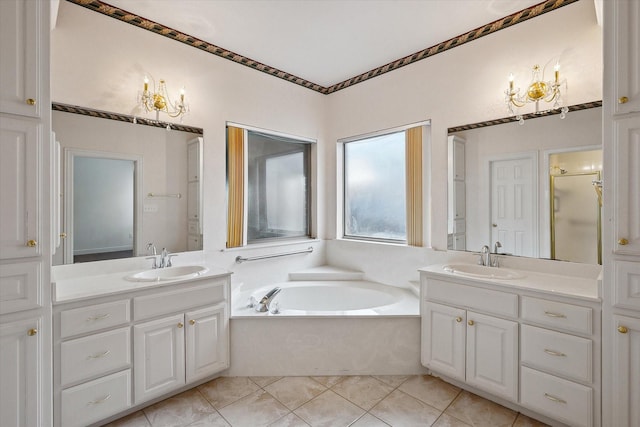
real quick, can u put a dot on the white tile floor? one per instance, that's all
(358, 401)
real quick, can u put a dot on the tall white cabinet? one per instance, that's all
(621, 235)
(25, 247)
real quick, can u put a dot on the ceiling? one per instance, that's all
(323, 41)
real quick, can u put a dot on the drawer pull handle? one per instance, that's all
(552, 314)
(99, 401)
(555, 399)
(554, 353)
(100, 317)
(98, 355)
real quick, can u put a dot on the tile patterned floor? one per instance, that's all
(357, 401)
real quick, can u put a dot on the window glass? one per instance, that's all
(375, 188)
(278, 187)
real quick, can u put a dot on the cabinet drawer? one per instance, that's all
(94, 317)
(93, 401)
(487, 300)
(556, 352)
(568, 317)
(148, 306)
(94, 355)
(560, 399)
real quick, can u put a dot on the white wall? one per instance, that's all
(462, 85)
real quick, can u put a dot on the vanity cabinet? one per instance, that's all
(515, 344)
(623, 17)
(113, 353)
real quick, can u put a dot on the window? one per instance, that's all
(383, 187)
(277, 195)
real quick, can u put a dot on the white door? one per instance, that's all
(514, 205)
(443, 340)
(492, 355)
(19, 189)
(627, 187)
(626, 374)
(20, 393)
(158, 357)
(19, 66)
(207, 349)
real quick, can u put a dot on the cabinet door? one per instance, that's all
(443, 340)
(193, 201)
(627, 186)
(158, 357)
(492, 352)
(20, 398)
(193, 161)
(626, 374)
(626, 55)
(207, 342)
(19, 189)
(20, 28)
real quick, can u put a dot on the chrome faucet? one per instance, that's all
(159, 261)
(165, 258)
(266, 300)
(151, 249)
(496, 246)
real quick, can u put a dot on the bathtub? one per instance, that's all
(330, 298)
(336, 327)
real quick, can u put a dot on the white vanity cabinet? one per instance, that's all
(477, 348)
(527, 349)
(626, 362)
(115, 352)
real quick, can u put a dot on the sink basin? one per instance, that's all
(483, 272)
(170, 273)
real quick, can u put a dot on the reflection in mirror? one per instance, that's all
(126, 185)
(505, 190)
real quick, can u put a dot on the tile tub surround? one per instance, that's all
(332, 401)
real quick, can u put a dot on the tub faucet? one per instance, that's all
(266, 300)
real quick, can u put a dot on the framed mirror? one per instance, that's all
(530, 190)
(126, 187)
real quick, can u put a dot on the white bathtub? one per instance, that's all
(330, 298)
(327, 328)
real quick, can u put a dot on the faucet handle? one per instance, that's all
(495, 261)
(155, 261)
(168, 264)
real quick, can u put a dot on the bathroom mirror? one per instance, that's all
(535, 188)
(125, 185)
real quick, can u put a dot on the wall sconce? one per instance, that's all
(538, 91)
(158, 100)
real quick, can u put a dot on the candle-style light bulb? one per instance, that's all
(511, 81)
(556, 70)
(146, 83)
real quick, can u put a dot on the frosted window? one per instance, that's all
(278, 190)
(375, 188)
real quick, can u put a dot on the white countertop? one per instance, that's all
(553, 284)
(71, 288)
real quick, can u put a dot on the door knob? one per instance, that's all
(622, 329)
(32, 243)
(623, 100)
(623, 242)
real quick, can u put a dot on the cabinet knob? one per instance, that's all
(458, 319)
(623, 329)
(192, 322)
(623, 241)
(470, 322)
(494, 225)
(180, 325)
(31, 101)
(32, 332)
(623, 100)
(32, 243)
(63, 235)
